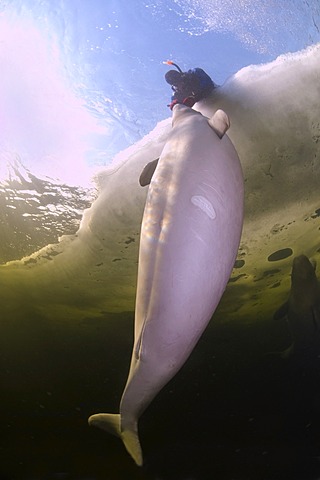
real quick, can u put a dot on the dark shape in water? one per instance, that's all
(316, 213)
(302, 309)
(239, 263)
(280, 255)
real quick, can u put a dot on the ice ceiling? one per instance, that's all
(275, 126)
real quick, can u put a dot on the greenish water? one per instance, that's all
(233, 411)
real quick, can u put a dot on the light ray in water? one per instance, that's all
(42, 119)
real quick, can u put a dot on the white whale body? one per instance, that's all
(190, 236)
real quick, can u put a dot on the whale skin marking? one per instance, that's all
(205, 205)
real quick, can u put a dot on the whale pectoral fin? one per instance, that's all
(281, 312)
(147, 172)
(106, 421)
(219, 122)
(288, 352)
(316, 318)
(284, 354)
(112, 423)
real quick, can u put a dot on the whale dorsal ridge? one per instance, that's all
(219, 122)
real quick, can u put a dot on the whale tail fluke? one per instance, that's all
(111, 423)
(131, 441)
(106, 421)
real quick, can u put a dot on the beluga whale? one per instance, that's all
(190, 235)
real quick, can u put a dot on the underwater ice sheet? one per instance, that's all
(275, 131)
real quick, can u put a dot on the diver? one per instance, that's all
(188, 87)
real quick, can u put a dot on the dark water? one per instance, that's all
(233, 412)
